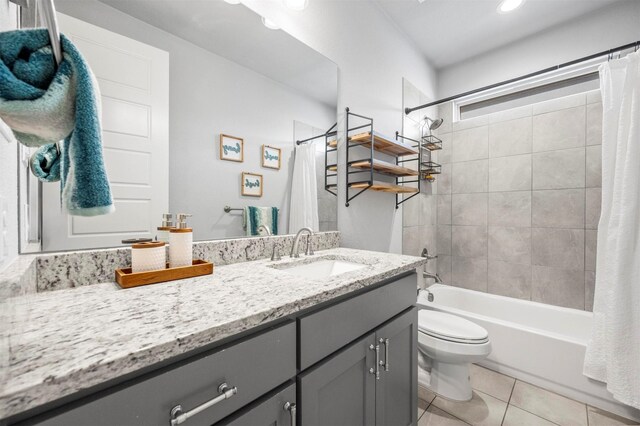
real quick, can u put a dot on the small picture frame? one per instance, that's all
(271, 157)
(251, 184)
(231, 148)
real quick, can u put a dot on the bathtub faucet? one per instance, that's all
(436, 277)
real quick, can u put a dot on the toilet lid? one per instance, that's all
(450, 327)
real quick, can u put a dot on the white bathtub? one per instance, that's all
(537, 343)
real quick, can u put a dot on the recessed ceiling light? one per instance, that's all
(296, 4)
(507, 6)
(233, 1)
(270, 24)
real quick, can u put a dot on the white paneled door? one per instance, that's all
(134, 85)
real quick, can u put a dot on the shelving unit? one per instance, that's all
(364, 136)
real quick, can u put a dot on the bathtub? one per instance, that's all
(537, 343)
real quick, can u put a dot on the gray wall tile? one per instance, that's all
(444, 209)
(412, 240)
(589, 289)
(559, 248)
(510, 137)
(443, 268)
(511, 245)
(561, 287)
(411, 211)
(469, 273)
(559, 169)
(508, 279)
(593, 205)
(469, 241)
(469, 209)
(510, 173)
(594, 124)
(444, 155)
(444, 180)
(470, 144)
(511, 114)
(558, 208)
(590, 249)
(594, 96)
(470, 176)
(510, 208)
(559, 129)
(445, 111)
(594, 166)
(443, 240)
(470, 123)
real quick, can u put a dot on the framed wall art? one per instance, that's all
(271, 157)
(251, 184)
(231, 148)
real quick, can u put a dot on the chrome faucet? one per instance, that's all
(436, 277)
(296, 241)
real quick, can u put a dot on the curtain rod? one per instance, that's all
(635, 44)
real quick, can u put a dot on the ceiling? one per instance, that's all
(450, 31)
(237, 33)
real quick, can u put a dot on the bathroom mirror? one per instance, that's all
(194, 94)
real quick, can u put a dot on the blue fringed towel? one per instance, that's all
(44, 104)
(253, 217)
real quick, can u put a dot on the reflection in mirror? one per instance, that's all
(174, 78)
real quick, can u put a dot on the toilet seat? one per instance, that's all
(441, 325)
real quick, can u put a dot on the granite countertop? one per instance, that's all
(53, 344)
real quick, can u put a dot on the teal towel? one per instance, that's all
(45, 163)
(253, 217)
(43, 104)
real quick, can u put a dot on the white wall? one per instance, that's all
(8, 163)
(210, 95)
(603, 29)
(372, 57)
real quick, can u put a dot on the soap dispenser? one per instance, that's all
(163, 230)
(180, 243)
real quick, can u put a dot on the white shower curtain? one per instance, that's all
(613, 353)
(304, 192)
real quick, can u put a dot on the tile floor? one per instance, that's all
(502, 400)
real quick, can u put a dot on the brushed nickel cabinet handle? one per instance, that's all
(377, 370)
(179, 417)
(385, 342)
(291, 408)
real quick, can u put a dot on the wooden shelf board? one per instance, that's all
(383, 144)
(385, 167)
(386, 187)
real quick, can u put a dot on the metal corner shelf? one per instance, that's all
(375, 142)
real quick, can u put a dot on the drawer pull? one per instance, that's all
(377, 370)
(386, 353)
(179, 417)
(291, 408)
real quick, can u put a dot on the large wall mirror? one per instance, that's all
(177, 80)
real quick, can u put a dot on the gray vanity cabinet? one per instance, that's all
(348, 389)
(396, 401)
(278, 409)
(341, 391)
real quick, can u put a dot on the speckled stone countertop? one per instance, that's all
(60, 342)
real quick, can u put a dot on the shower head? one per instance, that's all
(433, 124)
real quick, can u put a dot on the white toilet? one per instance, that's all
(450, 343)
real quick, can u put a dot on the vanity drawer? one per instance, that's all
(277, 408)
(255, 366)
(324, 332)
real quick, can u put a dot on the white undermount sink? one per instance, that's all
(322, 268)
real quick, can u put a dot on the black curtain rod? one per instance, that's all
(325, 134)
(524, 77)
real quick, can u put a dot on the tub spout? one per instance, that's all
(436, 277)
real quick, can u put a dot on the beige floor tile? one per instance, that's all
(436, 417)
(548, 405)
(491, 382)
(517, 417)
(481, 410)
(598, 417)
(425, 396)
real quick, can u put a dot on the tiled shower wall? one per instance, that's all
(518, 201)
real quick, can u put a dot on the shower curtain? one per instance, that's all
(304, 192)
(613, 353)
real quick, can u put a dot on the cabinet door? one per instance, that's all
(341, 390)
(274, 410)
(397, 389)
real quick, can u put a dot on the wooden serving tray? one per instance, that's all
(127, 279)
